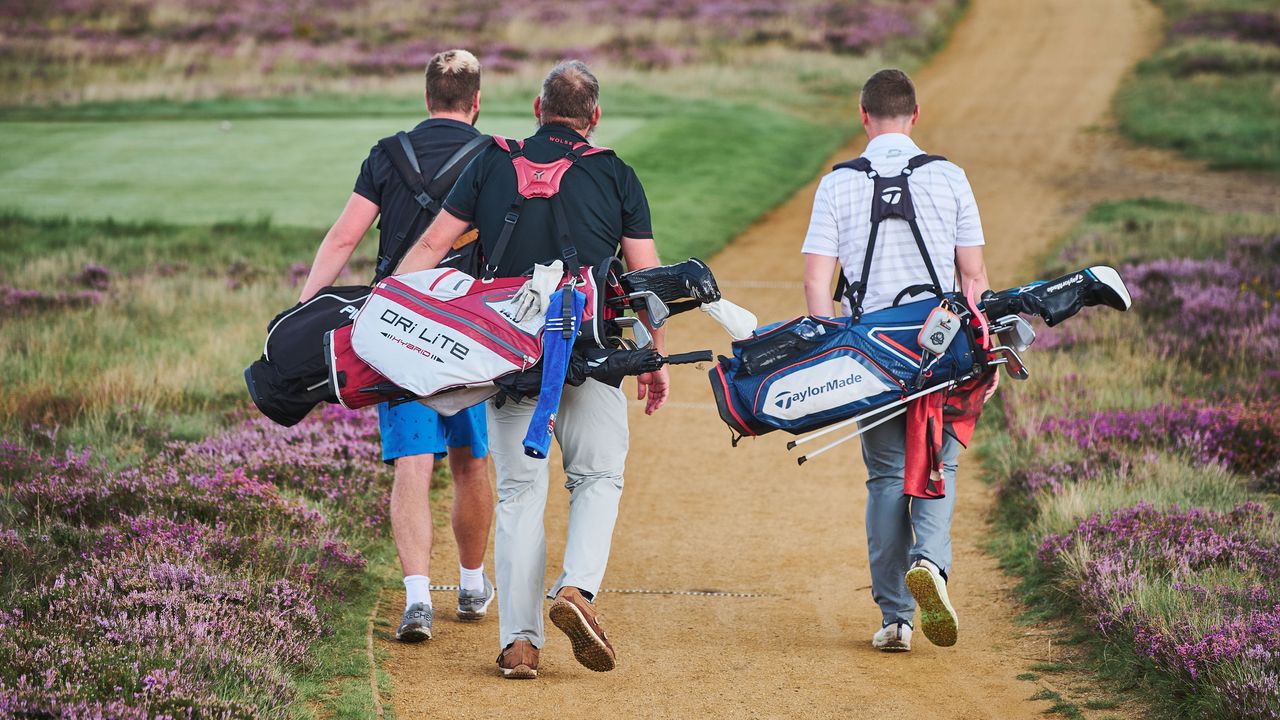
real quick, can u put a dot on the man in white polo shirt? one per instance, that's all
(908, 539)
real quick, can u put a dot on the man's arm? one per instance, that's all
(818, 270)
(638, 254)
(434, 244)
(972, 268)
(341, 240)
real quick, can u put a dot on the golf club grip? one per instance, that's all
(690, 357)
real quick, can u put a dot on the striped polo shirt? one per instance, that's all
(945, 210)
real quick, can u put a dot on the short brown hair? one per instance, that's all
(570, 93)
(888, 94)
(453, 79)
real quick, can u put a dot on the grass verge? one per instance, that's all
(1212, 91)
(1137, 477)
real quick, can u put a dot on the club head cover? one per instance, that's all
(1058, 299)
(737, 321)
(691, 279)
(610, 365)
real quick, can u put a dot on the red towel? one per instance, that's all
(959, 407)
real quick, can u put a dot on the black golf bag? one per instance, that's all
(292, 376)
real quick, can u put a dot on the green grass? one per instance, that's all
(336, 685)
(709, 170)
(1212, 99)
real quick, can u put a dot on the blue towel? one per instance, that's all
(555, 363)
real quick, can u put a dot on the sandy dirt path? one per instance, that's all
(1009, 100)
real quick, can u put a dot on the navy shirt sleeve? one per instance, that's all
(636, 222)
(461, 202)
(369, 182)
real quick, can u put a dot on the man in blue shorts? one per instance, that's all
(415, 437)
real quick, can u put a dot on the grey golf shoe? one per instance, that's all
(472, 606)
(415, 624)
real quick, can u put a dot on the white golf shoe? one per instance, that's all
(894, 637)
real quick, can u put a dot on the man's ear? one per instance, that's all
(426, 101)
(475, 103)
(863, 116)
(537, 107)
(915, 116)
(595, 116)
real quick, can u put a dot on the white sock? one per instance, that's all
(471, 580)
(417, 589)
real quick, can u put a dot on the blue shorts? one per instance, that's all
(414, 429)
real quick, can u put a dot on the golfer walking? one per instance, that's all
(908, 539)
(414, 437)
(606, 210)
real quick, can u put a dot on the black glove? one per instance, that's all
(691, 279)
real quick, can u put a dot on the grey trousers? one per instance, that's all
(591, 429)
(903, 529)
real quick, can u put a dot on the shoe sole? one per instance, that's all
(413, 635)
(588, 649)
(519, 672)
(894, 647)
(475, 615)
(937, 617)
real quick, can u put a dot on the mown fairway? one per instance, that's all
(293, 171)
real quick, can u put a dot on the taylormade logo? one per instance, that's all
(785, 399)
(891, 195)
(1073, 280)
(830, 384)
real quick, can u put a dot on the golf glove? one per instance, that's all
(737, 321)
(532, 297)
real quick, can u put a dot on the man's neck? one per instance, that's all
(875, 132)
(464, 118)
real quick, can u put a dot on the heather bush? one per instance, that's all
(1128, 477)
(1194, 593)
(192, 585)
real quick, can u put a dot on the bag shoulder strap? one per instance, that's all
(891, 198)
(404, 158)
(543, 181)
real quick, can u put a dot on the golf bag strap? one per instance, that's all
(515, 149)
(404, 159)
(530, 183)
(856, 292)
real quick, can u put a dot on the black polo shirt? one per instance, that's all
(602, 197)
(435, 140)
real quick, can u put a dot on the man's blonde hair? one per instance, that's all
(453, 79)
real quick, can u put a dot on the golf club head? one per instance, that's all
(1012, 362)
(643, 340)
(1015, 332)
(652, 304)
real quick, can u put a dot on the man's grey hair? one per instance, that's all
(570, 93)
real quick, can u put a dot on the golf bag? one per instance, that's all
(812, 371)
(290, 378)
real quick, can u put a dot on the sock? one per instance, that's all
(471, 580)
(417, 589)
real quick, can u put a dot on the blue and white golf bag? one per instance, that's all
(812, 371)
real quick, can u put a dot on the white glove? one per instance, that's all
(737, 321)
(531, 299)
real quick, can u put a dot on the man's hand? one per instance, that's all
(653, 386)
